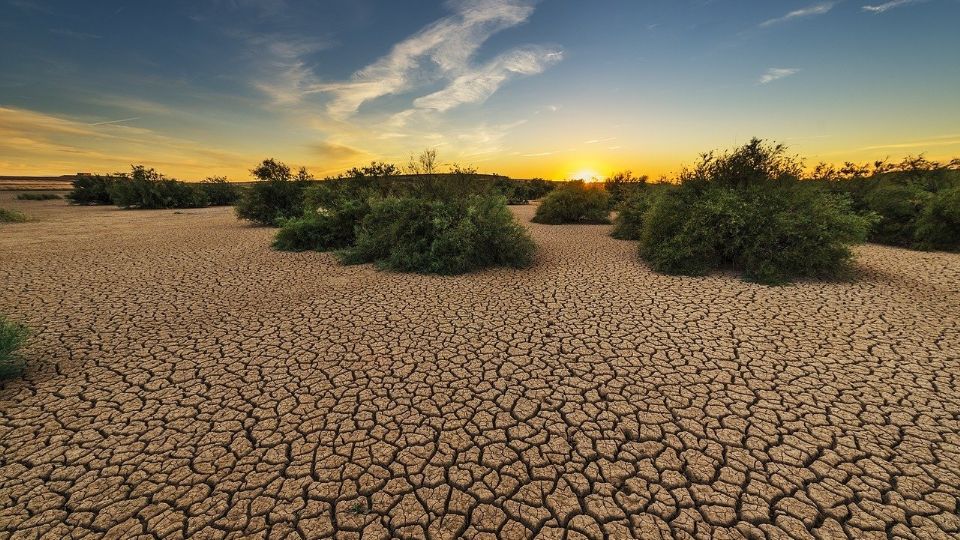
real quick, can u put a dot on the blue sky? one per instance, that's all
(551, 88)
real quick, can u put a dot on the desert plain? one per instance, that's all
(186, 380)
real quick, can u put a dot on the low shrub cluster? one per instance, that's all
(520, 192)
(275, 197)
(623, 185)
(92, 189)
(11, 216)
(628, 224)
(574, 202)
(218, 191)
(425, 222)
(915, 202)
(148, 189)
(38, 197)
(12, 337)
(748, 210)
(455, 236)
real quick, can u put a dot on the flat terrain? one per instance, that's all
(189, 381)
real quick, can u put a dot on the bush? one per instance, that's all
(575, 202)
(92, 189)
(148, 189)
(455, 236)
(938, 227)
(323, 228)
(11, 216)
(748, 211)
(275, 197)
(12, 337)
(621, 186)
(217, 191)
(38, 197)
(628, 224)
(898, 206)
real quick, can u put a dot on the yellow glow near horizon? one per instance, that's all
(587, 175)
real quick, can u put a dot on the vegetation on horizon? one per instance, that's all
(147, 189)
(575, 202)
(38, 197)
(12, 337)
(426, 222)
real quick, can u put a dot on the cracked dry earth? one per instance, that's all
(187, 381)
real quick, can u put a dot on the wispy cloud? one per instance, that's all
(444, 50)
(595, 141)
(120, 121)
(880, 8)
(775, 74)
(286, 75)
(809, 11)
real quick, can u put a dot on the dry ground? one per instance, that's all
(188, 381)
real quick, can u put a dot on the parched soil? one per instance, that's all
(188, 381)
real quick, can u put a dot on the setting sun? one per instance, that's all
(587, 175)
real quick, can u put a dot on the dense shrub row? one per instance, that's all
(148, 189)
(425, 222)
(38, 197)
(916, 202)
(746, 210)
(12, 337)
(574, 202)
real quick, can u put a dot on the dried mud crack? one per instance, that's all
(187, 381)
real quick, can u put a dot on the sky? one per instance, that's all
(551, 88)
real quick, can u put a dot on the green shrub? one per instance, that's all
(217, 191)
(92, 189)
(275, 197)
(575, 202)
(757, 218)
(148, 189)
(455, 236)
(623, 185)
(938, 227)
(323, 228)
(38, 197)
(628, 224)
(11, 216)
(898, 206)
(12, 337)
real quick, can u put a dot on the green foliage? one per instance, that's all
(275, 197)
(628, 224)
(622, 186)
(575, 202)
(148, 189)
(12, 216)
(92, 189)
(454, 236)
(12, 337)
(217, 191)
(938, 227)
(898, 206)
(904, 197)
(323, 228)
(765, 223)
(38, 197)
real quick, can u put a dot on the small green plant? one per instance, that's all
(575, 202)
(411, 234)
(12, 337)
(38, 197)
(275, 197)
(12, 216)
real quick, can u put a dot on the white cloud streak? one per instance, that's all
(880, 8)
(443, 51)
(809, 11)
(775, 74)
